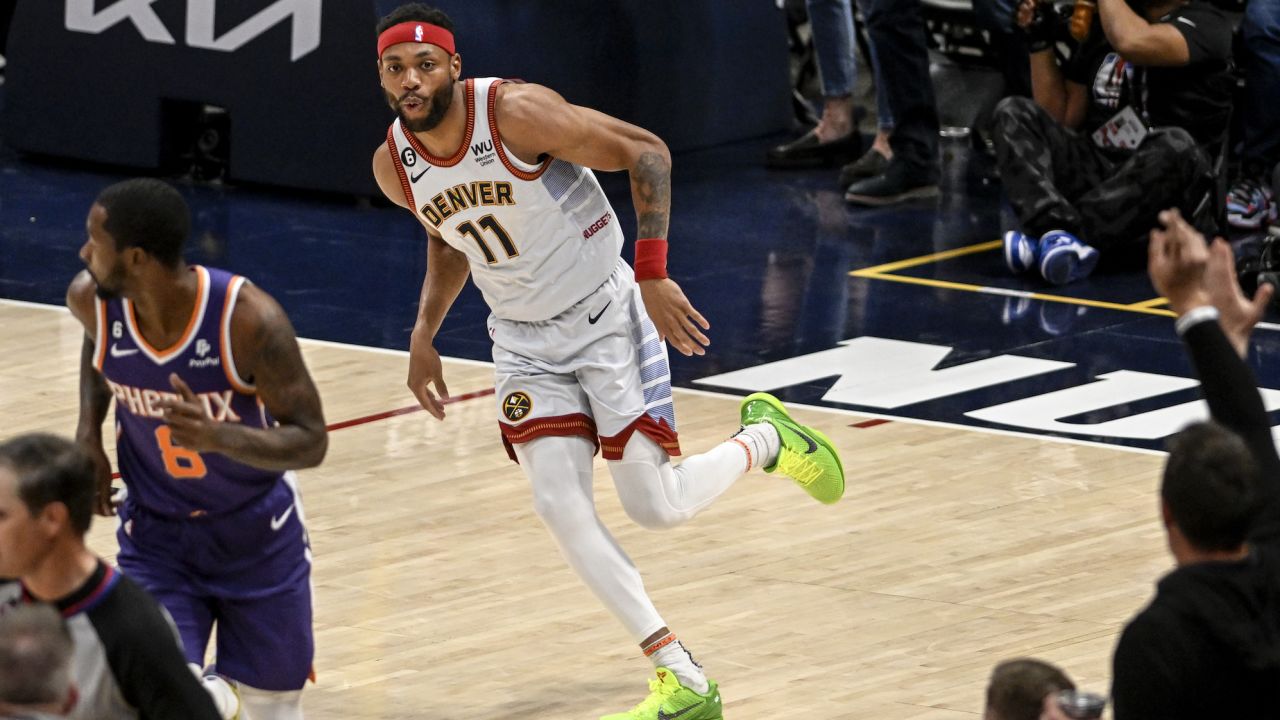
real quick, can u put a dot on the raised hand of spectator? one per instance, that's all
(1176, 260)
(1026, 13)
(1191, 274)
(1036, 23)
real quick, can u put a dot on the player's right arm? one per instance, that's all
(95, 397)
(447, 272)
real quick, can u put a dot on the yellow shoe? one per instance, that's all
(668, 700)
(806, 455)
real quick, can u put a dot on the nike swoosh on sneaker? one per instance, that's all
(813, 446)
(116, 352)
(671, 716)
(278, 522)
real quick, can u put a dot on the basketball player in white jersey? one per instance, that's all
(499, 174)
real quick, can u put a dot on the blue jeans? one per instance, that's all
(897, 34)
(835, 43)
(1261, 123)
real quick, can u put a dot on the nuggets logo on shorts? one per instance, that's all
(516, 406)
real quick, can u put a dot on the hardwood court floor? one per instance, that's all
(438, 594)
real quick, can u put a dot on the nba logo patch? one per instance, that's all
(516, 406)
(417, 33)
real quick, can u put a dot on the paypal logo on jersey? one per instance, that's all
(202, 350)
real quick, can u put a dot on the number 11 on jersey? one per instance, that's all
(490, 223)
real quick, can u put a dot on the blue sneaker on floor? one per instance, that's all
(1019, 252)
(1064, 259)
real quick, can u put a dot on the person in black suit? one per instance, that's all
(1208, 644)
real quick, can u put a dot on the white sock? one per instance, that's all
(270, 705)
(761, 442)
(670, 654)
(224, 697)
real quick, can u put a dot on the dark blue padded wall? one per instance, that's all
(88, 80)
(696, 72)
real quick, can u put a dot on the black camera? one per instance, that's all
(1259, 262)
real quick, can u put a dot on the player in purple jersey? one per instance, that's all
(214, 409)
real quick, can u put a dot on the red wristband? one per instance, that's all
(651, 259)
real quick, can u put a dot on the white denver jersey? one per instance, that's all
(539, 238)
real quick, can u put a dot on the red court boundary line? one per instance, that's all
(344, 424)
(870, 423)
(405, 410)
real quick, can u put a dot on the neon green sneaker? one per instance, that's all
(668, 700)
(806, 455)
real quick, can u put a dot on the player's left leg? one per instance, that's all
(265, 650)
(658, 495)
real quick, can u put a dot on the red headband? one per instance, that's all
(416, 32)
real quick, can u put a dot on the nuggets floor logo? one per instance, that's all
(516, 406)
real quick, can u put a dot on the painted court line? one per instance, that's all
(1153, 302)
(1006, 292)
(722, 395)
(887, 272)
(933, 257)
(405, 410)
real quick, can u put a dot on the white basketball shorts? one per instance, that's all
(597, 370)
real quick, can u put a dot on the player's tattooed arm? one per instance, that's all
(266, 353)
(95, 397)
(651, 194)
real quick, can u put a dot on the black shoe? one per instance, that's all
(898, 183)
(871, 164)
(808, 152)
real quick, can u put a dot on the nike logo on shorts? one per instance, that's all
(278, 522)
(118, 353)
(593, 318)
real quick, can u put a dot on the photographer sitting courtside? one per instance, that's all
(1124, 130)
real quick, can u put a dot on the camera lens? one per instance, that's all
(1081, 705)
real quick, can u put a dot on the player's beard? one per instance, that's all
(109, 288)
(440, 103)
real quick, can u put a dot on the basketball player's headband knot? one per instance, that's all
(415, 32)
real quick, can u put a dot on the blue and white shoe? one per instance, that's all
(1250, 205)
(1064, 259)
(1019, 252)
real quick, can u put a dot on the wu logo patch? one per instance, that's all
(516, 406)
(202, 347)
(117, 331)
